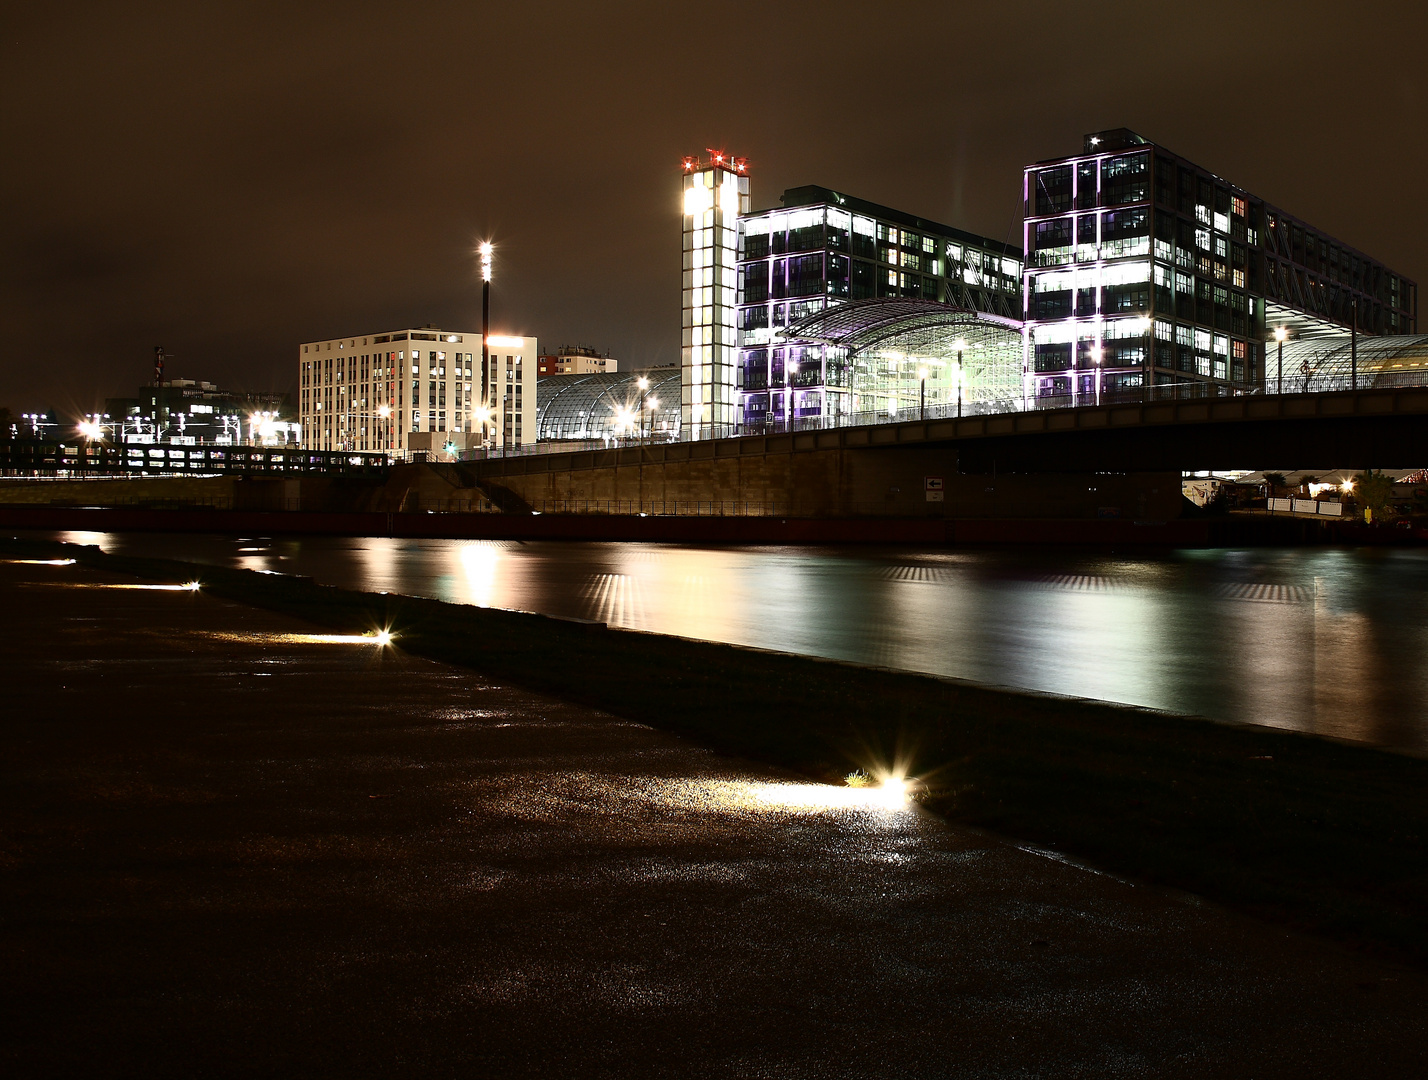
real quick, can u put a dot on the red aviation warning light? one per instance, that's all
(718, 159)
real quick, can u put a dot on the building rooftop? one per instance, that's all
(812, 194)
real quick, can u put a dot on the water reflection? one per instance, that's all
(1320, 640)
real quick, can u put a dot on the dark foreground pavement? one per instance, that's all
(230, 849)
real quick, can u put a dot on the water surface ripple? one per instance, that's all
(1324, 640)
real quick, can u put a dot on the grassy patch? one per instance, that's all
(1326, 836)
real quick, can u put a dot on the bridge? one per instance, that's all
(1041, 457)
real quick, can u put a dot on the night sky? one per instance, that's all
(229, 180)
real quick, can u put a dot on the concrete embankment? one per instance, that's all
(1309, 831)
(232, 847)
(451, 501)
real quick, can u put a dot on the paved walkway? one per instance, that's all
(232, 849)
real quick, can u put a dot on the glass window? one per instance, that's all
(805, 275)
(754, 282)
(1125, 179)
(1052, 189)
(863, 242)
(864, 284)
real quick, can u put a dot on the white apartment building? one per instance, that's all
(577, 360)
(416, 390)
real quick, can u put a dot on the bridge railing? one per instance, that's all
(1314, 383)
(54, 458)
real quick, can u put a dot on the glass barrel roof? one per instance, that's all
(607, 406)
(905, 351)
(1390, 360)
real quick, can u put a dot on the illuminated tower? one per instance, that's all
(716, 192)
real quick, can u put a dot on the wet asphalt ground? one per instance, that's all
(232, 847)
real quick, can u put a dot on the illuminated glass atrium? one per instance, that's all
(824, 249)
(1144, 269)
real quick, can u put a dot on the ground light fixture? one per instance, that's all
(379, 638)
(890, 790)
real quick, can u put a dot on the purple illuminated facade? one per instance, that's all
(1143, 269)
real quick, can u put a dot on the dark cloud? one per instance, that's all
(230, 179)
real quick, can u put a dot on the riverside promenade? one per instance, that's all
(236, 844)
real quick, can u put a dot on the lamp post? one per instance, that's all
(959, 345)
(644, 384)
(385, 412)
(1096, 359)
(789, 372)
(483, 417)
(1280, 333)
(922, 393)
(93, 431)
(486, 254)
(1354, 348)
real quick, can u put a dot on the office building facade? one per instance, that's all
(823, 248)
(1144, 269)
(415, 390)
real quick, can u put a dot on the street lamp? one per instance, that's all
(922, 393)
(789, 372)
(385, 412)
(1096, 359)
(486, 251)
(960, 344)
(483, 417)
(644, 384)
(1280, 333)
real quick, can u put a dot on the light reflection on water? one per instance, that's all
(1329, 641)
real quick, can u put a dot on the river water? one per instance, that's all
(1332, 641)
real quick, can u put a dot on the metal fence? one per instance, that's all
(49, 457)
(662, 507)
(1299, 384)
